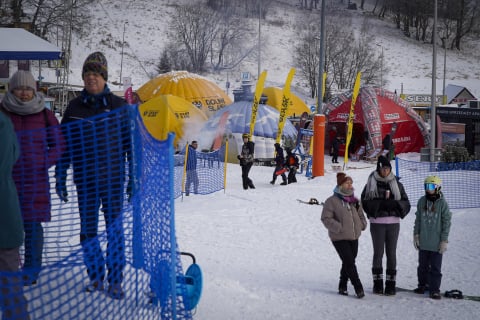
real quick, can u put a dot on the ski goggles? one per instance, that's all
(430, 186)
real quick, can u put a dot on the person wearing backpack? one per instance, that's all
(291, 163)
(279, 165)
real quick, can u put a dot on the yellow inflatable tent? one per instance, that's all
(168, 113)
(196, 89)
(274, 95)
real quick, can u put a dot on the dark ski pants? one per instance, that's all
(192, 177)
(429, 270)
(384, 240)
(33, 249)
(110, 197)
(247, 182)
(292, 172)
(347, 251)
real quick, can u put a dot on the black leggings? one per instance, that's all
(347, 251)
(384, 239)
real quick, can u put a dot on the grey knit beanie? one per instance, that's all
(22, 78)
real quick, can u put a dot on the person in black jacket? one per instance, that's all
(192, 175)
(335, 146)
(385, 201)
(246, 161)
(97, 131)
(291, 162)
(279, 165)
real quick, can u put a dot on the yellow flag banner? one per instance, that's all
(256, 100)
(356, 89)
(285, 104)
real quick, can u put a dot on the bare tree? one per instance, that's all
(193, 28)
(346, 54)
(48, 15)
(228, 47)
(203, 35)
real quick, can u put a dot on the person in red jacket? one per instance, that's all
(41, 145)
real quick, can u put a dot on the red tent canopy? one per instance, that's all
(379, 112)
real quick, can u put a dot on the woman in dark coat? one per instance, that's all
(41, 145)
(385, 201)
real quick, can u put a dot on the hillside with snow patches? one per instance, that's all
(146, 23)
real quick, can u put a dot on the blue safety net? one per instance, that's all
(199, 172)
(459, 180)
(109, 251)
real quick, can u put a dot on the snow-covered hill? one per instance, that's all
(146, 23)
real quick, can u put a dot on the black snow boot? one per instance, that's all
(390, 283)
(358, 288)
(377, 274)
(342, 286)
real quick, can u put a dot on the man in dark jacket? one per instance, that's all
(246, 161)
(385, 201)
(192, 175)
(97, 132)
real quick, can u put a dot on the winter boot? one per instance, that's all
(342, 286)
(420, 289)
(377, 274)
(390, 282)
(357, 285)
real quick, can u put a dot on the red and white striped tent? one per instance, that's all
(378, 112)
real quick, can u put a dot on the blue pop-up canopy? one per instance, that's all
(19, 44)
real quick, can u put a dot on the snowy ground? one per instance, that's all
(266, 256)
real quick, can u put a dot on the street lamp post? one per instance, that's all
(121, 59)
(381, 66)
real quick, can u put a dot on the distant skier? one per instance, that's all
(335, 147)
(279, 165)
(246, 160)
(291, 162)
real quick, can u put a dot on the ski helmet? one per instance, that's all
(432, 183)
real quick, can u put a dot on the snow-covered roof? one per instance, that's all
(455, 92)
(19, 44)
